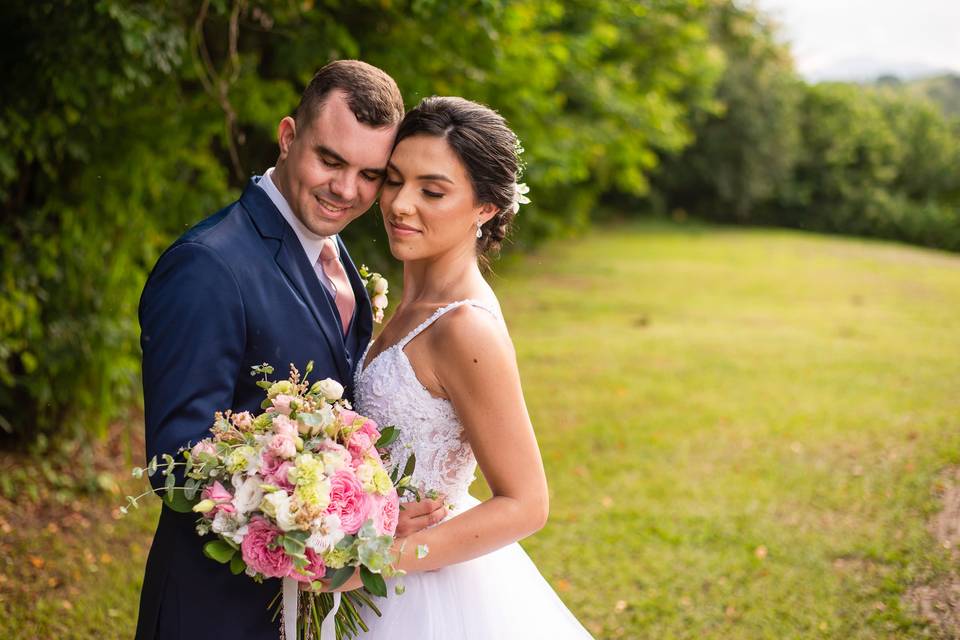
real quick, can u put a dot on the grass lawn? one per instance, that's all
(743, 429)
(746, 434)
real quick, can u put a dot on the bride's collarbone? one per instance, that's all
(422, 354)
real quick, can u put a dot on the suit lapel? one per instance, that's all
(292, 261)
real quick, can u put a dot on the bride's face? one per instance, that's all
(428, 202)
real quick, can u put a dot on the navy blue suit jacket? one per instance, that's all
(234, 291)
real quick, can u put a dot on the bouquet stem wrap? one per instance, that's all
(290, 596)
(291, 593)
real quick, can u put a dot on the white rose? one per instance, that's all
(380, 286)
(365, 476)
(247, 493)
(277, 505)
(331, 389)
(379, 301)
(332, 462)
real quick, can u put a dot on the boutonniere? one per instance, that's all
(377, 288)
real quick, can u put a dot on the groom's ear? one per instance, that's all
(286, 134)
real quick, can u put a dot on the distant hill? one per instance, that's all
(865, 70)
(943, 89)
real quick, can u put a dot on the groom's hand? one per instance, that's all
(416, 516)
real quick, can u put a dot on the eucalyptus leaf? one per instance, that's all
(292, 546)
(296, 534)
(190, 488)
(174, 499)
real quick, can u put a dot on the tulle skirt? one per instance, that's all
(494, 597)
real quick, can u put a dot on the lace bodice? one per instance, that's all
(387, 390)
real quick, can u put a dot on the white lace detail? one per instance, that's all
(388, 391)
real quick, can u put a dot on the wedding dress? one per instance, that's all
(498, 596)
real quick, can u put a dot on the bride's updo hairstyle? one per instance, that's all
(486, 146)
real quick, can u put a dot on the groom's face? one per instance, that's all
(331, 166)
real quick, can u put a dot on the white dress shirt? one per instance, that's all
(311, 242)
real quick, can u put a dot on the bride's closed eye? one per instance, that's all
(396, 183)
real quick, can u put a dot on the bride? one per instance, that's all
(444, 371)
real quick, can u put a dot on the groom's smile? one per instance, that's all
(331, 208)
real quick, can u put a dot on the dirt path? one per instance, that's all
(939, 601)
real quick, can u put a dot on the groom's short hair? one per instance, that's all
(372, 95)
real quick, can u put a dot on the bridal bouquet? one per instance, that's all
(299, 492)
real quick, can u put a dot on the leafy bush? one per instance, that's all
(876, 161)
(124, 122)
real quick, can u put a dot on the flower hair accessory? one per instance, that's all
(520, 191)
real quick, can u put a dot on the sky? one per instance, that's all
(837, 37)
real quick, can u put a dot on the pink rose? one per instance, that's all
(348, 417)
(358, 445)
(283, 444)
(284, 426)
(362, 440)
(274, 471)
(220, 496)
(315, 570)
(282, 447)
(334, 447)
(281, 404)
(256, 551)
(348, 501)
(386, 513)
(204, 446)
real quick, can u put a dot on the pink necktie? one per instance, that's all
(342, 292)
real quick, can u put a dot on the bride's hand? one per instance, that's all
(353, 582)
(417, 516)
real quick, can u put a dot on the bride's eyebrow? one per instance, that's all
(436, 177)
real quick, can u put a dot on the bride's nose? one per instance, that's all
(401, 205)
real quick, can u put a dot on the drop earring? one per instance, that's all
(479, 230)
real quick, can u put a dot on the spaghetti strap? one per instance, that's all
(439, 312)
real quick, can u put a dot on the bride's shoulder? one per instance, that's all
(473, 325)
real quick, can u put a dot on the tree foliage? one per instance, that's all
(843, 158)
(746, 150)
(124, 122)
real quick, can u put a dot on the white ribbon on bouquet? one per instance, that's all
(291, 592)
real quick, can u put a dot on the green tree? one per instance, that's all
(745, 151)
(124, 122)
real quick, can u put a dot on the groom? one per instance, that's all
(266, 279)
